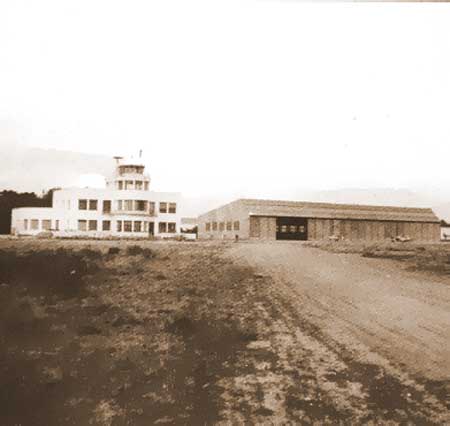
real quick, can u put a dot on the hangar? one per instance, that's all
(297, 220)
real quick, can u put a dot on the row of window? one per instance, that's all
(127, 226)
(129, 205)
(137, 185)
(46, 224)
(222, 226)
(131, 169)
(93, 225)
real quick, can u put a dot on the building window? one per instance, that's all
(128, 184)
(127, 226)
(229, 226)
(146, 186)
(138, 226)
(106, 225)
(25, 224)
(236, 225)
(131, 169)
(208, 226)
(34, 224)
(141, 205)
(172, 227)
(82, 225)
(82, 204)
(162, 227)
(120, 184)
(106, 206)
(163, 207)
(172, 207)
(119, 226)
(93, 204)
(139, 185)
(56, 225)
(119, 205)
(46, 224)
(128, 205)
(151, 208)
(214, 226)
(92, 225)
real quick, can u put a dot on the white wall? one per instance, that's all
(66, 210)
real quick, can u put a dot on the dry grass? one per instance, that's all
(433, 257)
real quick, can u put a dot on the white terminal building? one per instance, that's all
(125, 208)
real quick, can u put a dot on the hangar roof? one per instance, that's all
(337, 211)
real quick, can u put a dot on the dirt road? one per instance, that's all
(364, 314)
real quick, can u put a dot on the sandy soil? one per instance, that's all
(126, 333)
(393, 323)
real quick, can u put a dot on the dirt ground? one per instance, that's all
(127, 333)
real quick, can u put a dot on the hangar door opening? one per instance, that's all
(292, 228)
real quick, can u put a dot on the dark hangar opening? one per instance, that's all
(292, 228)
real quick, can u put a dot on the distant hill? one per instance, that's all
(36, 169)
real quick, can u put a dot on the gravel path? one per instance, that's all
(380, 332)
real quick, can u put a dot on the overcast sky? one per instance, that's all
(225, 95)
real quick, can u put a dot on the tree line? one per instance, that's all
(11, 199)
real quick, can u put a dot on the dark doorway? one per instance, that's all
(151, 228)
(292, 228)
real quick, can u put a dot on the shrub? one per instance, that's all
(114, 250)
(136, 250)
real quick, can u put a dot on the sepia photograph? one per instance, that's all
(224, 212)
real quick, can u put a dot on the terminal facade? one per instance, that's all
(125, 208)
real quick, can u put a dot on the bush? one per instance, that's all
(114, 250)
(136, 250)
(90, 254)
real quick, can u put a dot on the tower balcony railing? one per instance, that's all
(133, 212)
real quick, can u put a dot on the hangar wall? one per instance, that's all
(216, 223)
(371, 230)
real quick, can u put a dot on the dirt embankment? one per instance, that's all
(117, 334)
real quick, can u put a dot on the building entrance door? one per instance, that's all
(151, 228)
(292, 228)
